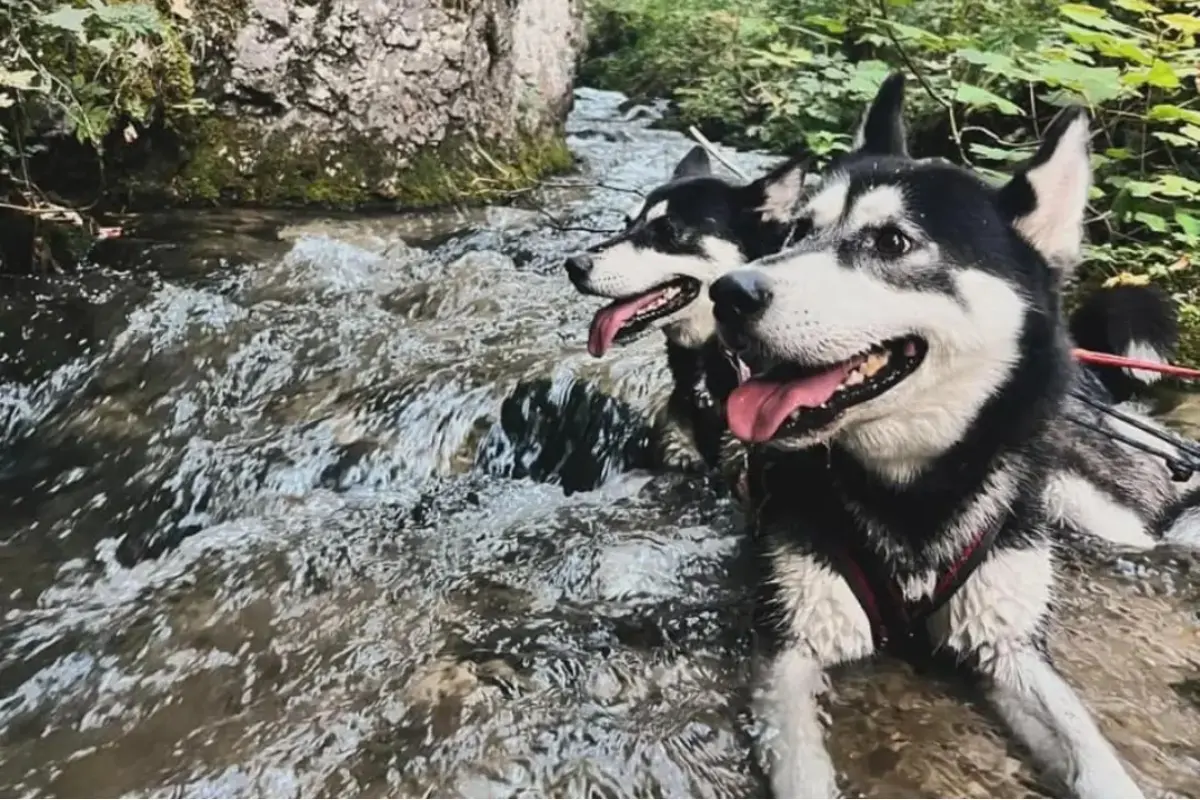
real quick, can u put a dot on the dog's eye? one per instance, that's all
(891, 242)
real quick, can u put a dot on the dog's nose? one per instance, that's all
(578, 267)
(739, 297)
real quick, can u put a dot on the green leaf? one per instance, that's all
(1173, 139)
(1189, 224)
(1164, 112)
(1191, 131)
(1187, 23)
(1152, 221)
(66, 18)
(977, 97)
(1160, 75)
(998, 153)
(1090, 17)
(21, 79)
(1136, 6)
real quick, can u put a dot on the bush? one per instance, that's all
(989, 74)
(97, 72)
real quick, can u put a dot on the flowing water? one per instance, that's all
(341, 507)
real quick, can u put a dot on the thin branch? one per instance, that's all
(921, 79)
(711, 149)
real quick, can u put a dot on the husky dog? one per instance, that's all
(909, 364)
(657, 271)
(695, 227)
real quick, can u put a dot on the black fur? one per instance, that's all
(1110, 320)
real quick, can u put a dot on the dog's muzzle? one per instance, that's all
(739, 298)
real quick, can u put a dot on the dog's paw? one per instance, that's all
(675, 449)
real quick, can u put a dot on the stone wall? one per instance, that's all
(420, 102)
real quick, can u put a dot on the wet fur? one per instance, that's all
(965, 442)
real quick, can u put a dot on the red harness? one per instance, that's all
(898, 624)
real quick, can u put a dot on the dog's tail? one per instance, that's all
(1132, 321)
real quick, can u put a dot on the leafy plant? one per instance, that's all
(84, 70)
(988, 75)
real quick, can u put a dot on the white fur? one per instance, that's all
(1077, 503)
(824, 612)
(1061, 185)
(1185, 530)
(782, 195)
(1145, 352)
(659, 209)
(827, 205)
(791, 739)
(823, 313)
(877, 206)
(996, 616)
(624, 270)
(1044, 711)
(1005, 601)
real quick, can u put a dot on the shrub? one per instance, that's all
(989, 74)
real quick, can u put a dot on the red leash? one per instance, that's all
(1106, 360)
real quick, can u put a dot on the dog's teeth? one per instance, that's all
(854, 378)
(874, 363)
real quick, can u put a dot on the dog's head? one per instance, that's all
(906, 304)
(683, 236)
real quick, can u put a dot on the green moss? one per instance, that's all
(231, 163)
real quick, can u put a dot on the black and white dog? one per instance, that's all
(910, 366)
(657, 271)
(697, 226)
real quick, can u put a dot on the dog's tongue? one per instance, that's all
(608, 321)
(756, 409)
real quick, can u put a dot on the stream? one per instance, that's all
(340, 506)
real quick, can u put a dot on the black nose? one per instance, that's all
(739, 297)
(578, 267)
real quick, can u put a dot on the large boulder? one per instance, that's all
(341, 102)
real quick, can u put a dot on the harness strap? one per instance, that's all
(897, 624)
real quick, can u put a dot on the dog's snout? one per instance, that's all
(578, 267)
(739, 297)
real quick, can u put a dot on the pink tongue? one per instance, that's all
(609, 320)
(757, 408)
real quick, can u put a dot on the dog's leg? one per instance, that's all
(1079, 504)
(674, 444)
(792, 740)
(734, 467)
(995, 620)
(1048, 716)
(821, 624)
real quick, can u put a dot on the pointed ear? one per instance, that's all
(1047, 197)
(882, 128)
(693, 165)
(776, 194)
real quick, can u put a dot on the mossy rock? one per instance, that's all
(231, 162)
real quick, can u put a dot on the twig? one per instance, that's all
(563, 227)
(712, 151)
(921, 79)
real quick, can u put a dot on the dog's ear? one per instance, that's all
(881, 131)
(693, 165)
(776, 194)
(1047, 197)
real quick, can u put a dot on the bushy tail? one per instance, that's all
(1132, 321)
